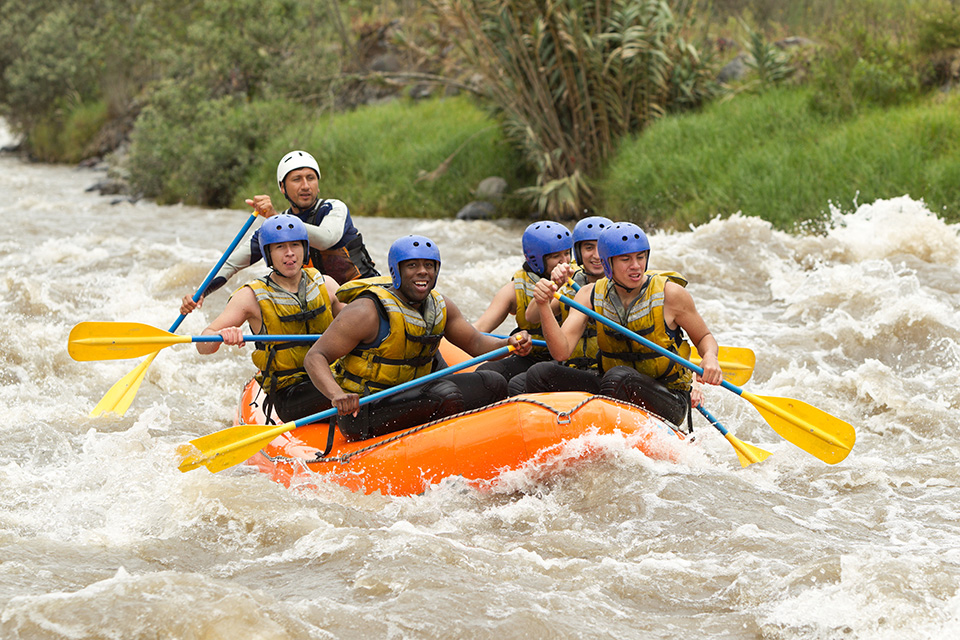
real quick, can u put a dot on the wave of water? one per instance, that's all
(102, 537)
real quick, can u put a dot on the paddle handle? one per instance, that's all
(323, 415)
(636, 336)
(301, 337)
(536, 343)
(213, 272)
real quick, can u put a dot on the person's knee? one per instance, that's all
(517, 385)
(616, 381)
(538, 378)
(494, 385)
(447, 397)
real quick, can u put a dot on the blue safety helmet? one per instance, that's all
(410, 248)
(588, 229)
(621, 238)
(541, 239)
(282, 228)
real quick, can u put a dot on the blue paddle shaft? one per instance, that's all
(323, 415)
(301, 337)
(536, 343)
(709, 416)
(216, 268)
(636, 336)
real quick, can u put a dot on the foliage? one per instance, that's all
(56, 64)
(401, 158)
(768, 155)
(215, 145)
(52, 141)
(571, 77)
(770, 65)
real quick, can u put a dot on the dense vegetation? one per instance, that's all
(580, 105)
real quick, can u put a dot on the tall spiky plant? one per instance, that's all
(572, 77)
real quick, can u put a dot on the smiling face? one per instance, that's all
(417, 278)
(286, 257)
(628, 268)
(301, 187)
(591, 259)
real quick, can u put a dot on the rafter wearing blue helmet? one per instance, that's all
(545, 245)
(654, 305)
(336, 247)
(390, 333)
(292, 299)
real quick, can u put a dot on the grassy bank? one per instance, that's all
(401, 158)
(773, 157)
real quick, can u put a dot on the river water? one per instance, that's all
(102, 537)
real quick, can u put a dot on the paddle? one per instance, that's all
(229, 447)
(120, 396)
(747, 453)
(119, 340)
(816, 432)
(737, 362)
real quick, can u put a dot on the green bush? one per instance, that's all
(402, 158)
(187, 148)
(68, 141)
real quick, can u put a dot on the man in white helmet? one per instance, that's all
(336, 246)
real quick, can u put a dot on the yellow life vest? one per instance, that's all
(584, 354)
(644, 317)
(405, 352)
(524, 283)
(308, 311)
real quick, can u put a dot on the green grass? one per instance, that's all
(53, 141)
(771, 156)
(371, 158)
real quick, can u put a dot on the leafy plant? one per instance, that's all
(571, 77)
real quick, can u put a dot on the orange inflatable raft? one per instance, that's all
(478, 445)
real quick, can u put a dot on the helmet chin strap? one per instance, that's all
(627, 289)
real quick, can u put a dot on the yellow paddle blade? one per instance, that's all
(747, 453)
(121, 394)
(228, 447)
(737, 363)
(118, 340)
(815, 431)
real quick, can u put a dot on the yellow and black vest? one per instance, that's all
(408, 341)
(523, 284)
(644, 317)
(281, 363)
(584, 355)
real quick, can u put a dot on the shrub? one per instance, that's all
(572, 77)
(187, 148)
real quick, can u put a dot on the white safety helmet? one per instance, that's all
(293, 161)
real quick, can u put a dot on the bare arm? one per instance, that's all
(503, 303)
(358, 322)
(464, 335)
(242, 307)
(680, 310)
(335, 305)
(561, 340)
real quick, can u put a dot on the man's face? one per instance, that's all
(287, 257)
(301, 186)
(417, 278)
(591, 258)
(628, 268)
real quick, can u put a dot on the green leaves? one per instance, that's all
(572, 77)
